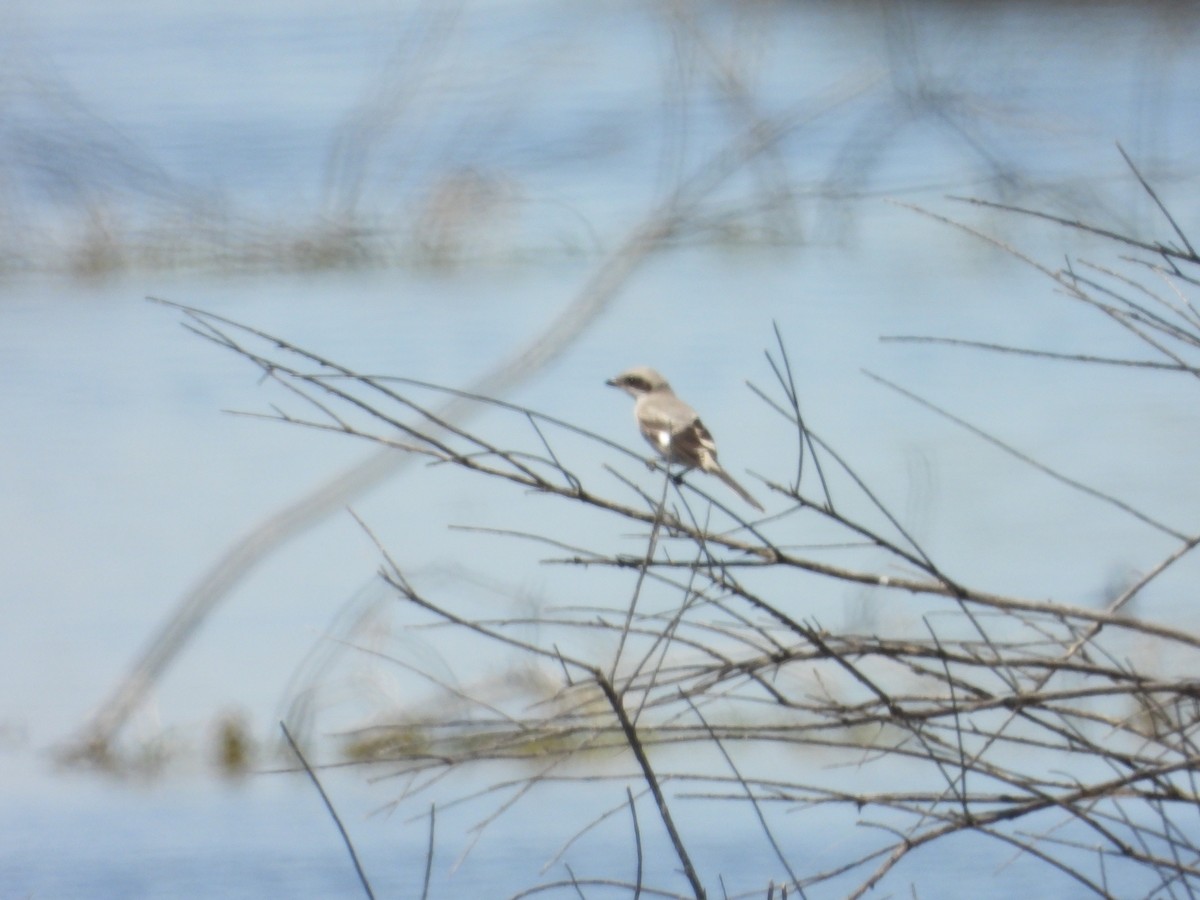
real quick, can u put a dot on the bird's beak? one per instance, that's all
(612, 382)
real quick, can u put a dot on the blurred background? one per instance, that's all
(419, 189)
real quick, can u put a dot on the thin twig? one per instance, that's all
(362, 876)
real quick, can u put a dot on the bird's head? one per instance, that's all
(638, 381)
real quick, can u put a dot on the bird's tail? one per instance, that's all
(741, 491)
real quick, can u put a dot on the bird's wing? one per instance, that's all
(694, 442)
(695, 445)
(675, 430)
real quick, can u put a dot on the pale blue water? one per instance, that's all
(122, 481)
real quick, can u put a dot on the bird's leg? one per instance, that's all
(676, 477)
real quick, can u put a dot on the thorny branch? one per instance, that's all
(1023, 720)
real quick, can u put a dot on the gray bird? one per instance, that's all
(672, 427)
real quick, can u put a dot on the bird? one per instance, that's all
(672, 427)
